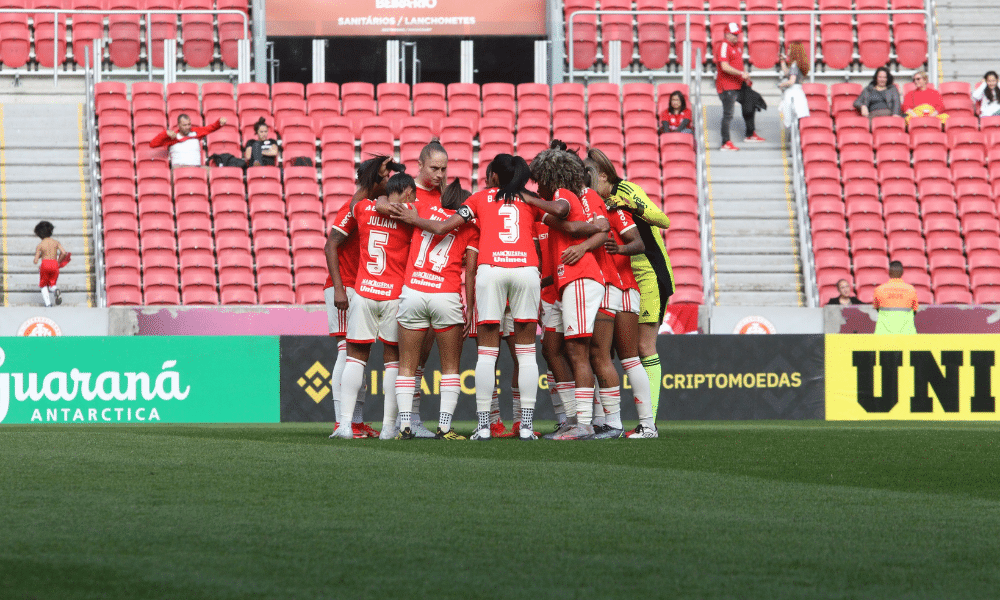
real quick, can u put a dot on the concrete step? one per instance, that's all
(764, 176)
(59, 203)
(34, 298)
(755, 245)
(746, 263)
(28, 281)
(43, 157)
(67, 174)
(727, 298)
(755, 227)
(747, 190)
(757, 281)
(751, 209)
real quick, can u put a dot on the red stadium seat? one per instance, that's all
(654, 35)
(762, 34)
(198, 33)
(873, 34)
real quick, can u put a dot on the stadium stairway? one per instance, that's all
(752, 218)
(43, 177)
(967, 39)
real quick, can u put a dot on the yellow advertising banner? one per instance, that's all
(911, 377)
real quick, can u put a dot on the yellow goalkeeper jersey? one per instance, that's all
(648, 220)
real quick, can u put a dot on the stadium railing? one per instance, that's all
(702, 178)
(60, 46)
(926, 13)
(806, 256)
(96, 216)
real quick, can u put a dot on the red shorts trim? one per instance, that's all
(487, 322)
(414, 329)
(579, 335)
(350, 341)
(443, 329)
(388, 343)
(605, 311)
(525, 320)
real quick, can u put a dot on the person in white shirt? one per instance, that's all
(184, 143)
(987, 95)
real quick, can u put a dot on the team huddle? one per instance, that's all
(582, 255)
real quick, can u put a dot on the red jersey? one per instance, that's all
(435, 261)
(549, 293)
(621, 221)
(580, 209)
(606, 261)
(433, 196)
(384, 244)
(506, 229)
(347, 251)
(674, 121)
(731, 54)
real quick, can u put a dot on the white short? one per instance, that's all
(420, 310)
(336, 318)
(552, 316)
(498, 286)
(630, 300)
(369, 319)
(581, 299)
(618, 300)
(507, 328)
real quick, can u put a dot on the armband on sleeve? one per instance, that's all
(465, 212)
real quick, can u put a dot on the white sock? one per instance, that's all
(584, 405)
(486, 377)
(527, 376)
(451, 387)
(337, 375)
(353, 377)
(598, 410)
(566, 391)
(404, 399)
(611, 406)
(639, 381)
(45, 296)
(417, 395)
(391, 409)
(556, 399)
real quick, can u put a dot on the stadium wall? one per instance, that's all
(270, 379)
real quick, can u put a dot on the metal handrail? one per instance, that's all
(927, 12)
(96, 213)
(802, 208)
(149, 34)
(701, 176)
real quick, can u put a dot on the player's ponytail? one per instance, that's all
(512, 175)
(453, 196)
(604, 165)
(433, 147)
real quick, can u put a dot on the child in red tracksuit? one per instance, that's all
(53, 256)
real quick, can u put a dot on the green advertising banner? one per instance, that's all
(139, 380)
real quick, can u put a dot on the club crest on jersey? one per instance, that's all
(561, 270)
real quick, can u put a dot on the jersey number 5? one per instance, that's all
(376, 250)
(511, 232)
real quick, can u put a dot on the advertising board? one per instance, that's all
(405, 18)
(139, 380)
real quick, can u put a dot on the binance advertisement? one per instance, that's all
(911, 377)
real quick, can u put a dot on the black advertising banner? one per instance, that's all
(307, 364)
(728, 377)
(736, 377)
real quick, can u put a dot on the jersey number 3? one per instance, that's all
(511, 215)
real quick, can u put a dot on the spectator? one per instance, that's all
(261, 151)
(923, 101)
(793, 101)
(896, 303)
(987, 95)
(729, 79)
(845, 297)
(184, 143)
(53, 256)
(677, 117)
(880, 98)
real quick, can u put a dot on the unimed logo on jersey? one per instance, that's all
(930, 377)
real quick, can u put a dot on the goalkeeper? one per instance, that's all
(652, 269)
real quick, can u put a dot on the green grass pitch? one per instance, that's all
(710, 510)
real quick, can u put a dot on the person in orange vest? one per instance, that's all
(896, 303)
